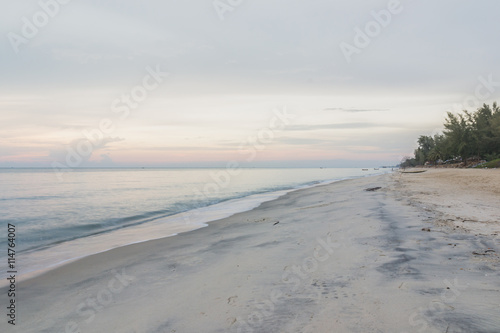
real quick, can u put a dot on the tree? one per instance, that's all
(465, 135)
(482, 130)
(460, 133)
(495, 133)
(425, 146)
(440, 150)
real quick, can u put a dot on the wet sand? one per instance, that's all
(333, 258)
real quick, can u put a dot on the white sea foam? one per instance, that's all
(40, 259)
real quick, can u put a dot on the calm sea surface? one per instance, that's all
(93, 210)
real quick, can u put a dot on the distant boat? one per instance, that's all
(375, 168)
(364, 169)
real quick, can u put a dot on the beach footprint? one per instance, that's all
(336, 288)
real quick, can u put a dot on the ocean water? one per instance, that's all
(94, 210)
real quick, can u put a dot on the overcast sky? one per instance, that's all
(261, 82)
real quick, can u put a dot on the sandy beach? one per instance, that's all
(420, 254)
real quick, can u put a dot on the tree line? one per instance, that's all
(466, 135)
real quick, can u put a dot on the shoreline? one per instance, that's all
(329, 258)
(49, 258)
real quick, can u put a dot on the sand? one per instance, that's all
(333, 258)
(463, 198)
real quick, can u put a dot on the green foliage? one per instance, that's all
(408, 162)
(459, 130)
(466, 135)
(490, 165)
(425, 146)
(441, 150)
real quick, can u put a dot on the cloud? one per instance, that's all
(183, 148)
(66, 77)
(82, 148)
(301, 141)
(106, 161)
(106, 141)
(353, 125)
(355, 110)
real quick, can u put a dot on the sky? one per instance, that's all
(290, 83)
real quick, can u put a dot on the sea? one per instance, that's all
(57, 220)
